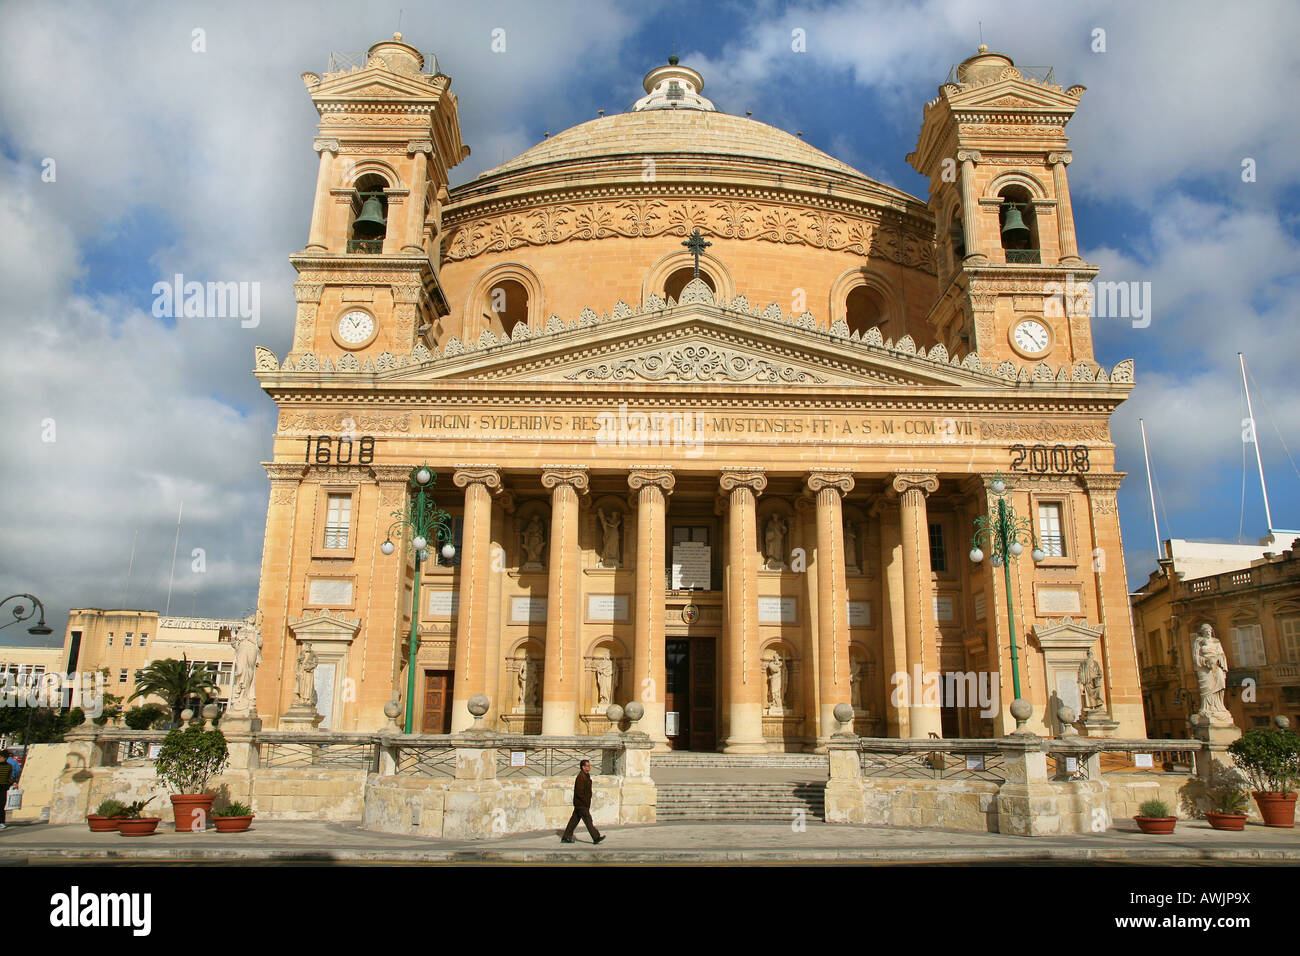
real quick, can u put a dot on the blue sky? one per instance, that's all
(172, 160)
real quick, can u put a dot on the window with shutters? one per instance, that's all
(1247, 646)
(1051, 537)
(338, 521)
(1289, 627)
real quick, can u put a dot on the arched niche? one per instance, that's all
(781, 668)
(865, 299)
(609, 517)
(672, 264)
(503, 299)
(607, 676)
(776, 525)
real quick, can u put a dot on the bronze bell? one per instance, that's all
(371, 223)
(1013, 227)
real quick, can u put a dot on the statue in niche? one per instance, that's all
(248, 654)
(1090, 693)
(774, 542)
(304, 691)
(855, 683)
(851, 546)
(532, 542)
(606, 677)
(1211, 674)
(526, 684)
(775, 669)
(611, 523)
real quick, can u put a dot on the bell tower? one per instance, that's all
(1012, 285)
(388, 135)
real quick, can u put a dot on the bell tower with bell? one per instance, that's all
(1011, 283)
(368, 276)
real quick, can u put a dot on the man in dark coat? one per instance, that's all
(582, 805)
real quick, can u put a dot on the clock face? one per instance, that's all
(1032, 337)
(355, 328)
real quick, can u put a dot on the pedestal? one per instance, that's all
(300, 718)
(1097, 724)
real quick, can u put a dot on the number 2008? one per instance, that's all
(1044, 458)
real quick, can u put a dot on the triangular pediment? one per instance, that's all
(1016, 94)
(375, 82)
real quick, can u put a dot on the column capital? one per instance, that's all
(661, 478)
(925, 482)
(821, 478)
(575, 476)
(971, 155)
(1065, 157)
(419, 146)
(325, 144)
(751, 478)
(487, 475)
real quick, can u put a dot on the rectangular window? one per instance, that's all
(938, 556)
(1290, 628)
(110, 638)
(457, 533)
(1247, 646)
(338, 521)
(127, 641)
(138, 672)
(1050, 537)
(144, 640)
(121, 676)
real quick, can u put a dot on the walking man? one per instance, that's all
(582, 805)
(6, 781)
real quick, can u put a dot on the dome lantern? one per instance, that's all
(673, 87)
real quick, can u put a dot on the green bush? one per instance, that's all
(234, 810)
(110, 808)
(146, 717)
(1154, 808)
(190, 757)
(1270, 758)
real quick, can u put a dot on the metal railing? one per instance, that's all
(281, 749)
(1023, 256)
(548, 761)
(932, 759)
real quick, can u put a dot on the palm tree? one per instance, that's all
(176, 681)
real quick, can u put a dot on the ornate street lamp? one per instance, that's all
(427, 523)
(23, 613)
(1006, 535)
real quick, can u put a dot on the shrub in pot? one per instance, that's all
(1153, 816)
(131, 823)
(1270, 759)
(190, 757)
(1227, 809)
(234, 818)
(105, 817)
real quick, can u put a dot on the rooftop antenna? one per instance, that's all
(1151, 489)
(1254, 437)
(172, 575)
(399, 20)
(981, 23)
(130, 564)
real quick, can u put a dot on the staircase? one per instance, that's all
(709, 761)
(779, 802)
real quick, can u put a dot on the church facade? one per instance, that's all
(712, 415)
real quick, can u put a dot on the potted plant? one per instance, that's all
(130, 823)
(1271, 761)
(105, 817)
(1227, 809)
(235, 818)
(189, 758)
(1153, 817)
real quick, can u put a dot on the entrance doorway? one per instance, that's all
(691, 698)
(437, 702)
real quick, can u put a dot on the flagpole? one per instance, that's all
(170, 577)
(1254, 437)
(1151, 490)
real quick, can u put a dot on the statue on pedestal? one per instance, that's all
(1090, 680)
(774, 542)
(1211, 665)
(304, 692)
(248, 654)
(532, 543)
(855, 683)
(774, 667)
(611, 523)
(605, 675)
(851, 546)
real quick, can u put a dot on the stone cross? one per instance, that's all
(696, 244)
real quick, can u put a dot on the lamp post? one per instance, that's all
(1006, 535)
(22, 614)
(426, 523)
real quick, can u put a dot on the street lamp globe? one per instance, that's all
(387, 547)
(999, 486)
(448, 551)
(424, 555)
(976, 555)
(1038, 554)
(419, 542)
(1017, 548)
(422, 476)
(997, 561)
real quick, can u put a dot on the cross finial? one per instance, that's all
(696, 244)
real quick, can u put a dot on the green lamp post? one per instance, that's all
(1006, 535)
(427, 524)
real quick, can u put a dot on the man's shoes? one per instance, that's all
(4, 826)
(599, 838)
(569, 840)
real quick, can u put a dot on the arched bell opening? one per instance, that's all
(369, 215)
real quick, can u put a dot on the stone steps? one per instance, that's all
(680, 758)
(740, 802)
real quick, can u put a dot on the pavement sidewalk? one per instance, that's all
(667, 843)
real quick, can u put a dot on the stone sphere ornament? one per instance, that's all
(634, 711)
(1066, 715)
(392, 710)
(843, 713)
(1021, 709)
(187, 715)
(478, 705)
(614, 714)
(211, 711)
(1282, 721)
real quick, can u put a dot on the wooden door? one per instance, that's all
(704, 701)
(677, 696)
(437, 702)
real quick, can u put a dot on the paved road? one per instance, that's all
(672, 843)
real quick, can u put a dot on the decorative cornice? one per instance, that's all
(279, 471)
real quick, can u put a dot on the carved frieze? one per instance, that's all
(695, 363)
(1043, 431)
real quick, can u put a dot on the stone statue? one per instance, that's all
(605, 671)
(1211, 674)
(851, 545)
(528, 684)
(611, 550)
(305, 682)
(855, 683)
(534, 540)
(775, 668)
(248, 654)
(522, 689)
(774, 541)
(1090, 684)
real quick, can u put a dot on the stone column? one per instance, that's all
(649, 676)
(892, 619)
(480, 483)
(414, 240)
(328, 149)
(918, 597)
(970, 206)
(561, 684)
(830, 487)
(1064, 211)
(744, 678)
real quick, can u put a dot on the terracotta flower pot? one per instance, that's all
(1225, 821)
(1159, 825)
(192, 811)
(101, 824)
(1277, 809)
(232, 824)
(138, 826)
